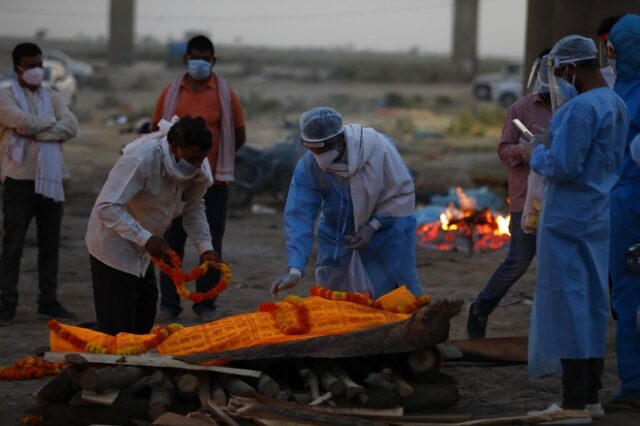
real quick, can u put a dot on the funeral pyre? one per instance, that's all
(464, 228)
(319, 378)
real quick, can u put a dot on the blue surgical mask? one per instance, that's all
(186, 167)
(199, 69)
(568, 90)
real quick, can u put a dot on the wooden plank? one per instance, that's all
(107, 397)
(159, 361)
(217, 411)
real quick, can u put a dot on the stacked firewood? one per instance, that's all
(396, 366)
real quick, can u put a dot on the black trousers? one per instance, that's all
(581, 381)
(20, 204)
(124, 302)
(215, 201)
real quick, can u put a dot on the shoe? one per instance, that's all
(56, 310)
(596, 410)
(7, 312)
(205, 313)
(167, 315)
(577, 417)
(476, 324)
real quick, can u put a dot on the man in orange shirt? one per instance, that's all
(201, 92)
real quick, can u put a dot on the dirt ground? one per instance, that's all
(254, 249)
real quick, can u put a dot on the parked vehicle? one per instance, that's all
(483, 85)
(507, 92)
(80, 70)
(56, 76)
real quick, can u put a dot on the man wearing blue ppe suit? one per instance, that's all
(580, 165)
(356, 179)
(625, 218)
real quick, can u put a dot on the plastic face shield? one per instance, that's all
(556, 94)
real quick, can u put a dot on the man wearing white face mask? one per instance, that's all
(159, 176)
(34, 122)
(580, 166)
(200, 92)
(356, 179)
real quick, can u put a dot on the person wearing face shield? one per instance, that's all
(160, 176)
(534, 110)
(200, 92)
(606, 52)
(625, 218)
(355, 179)
(580, 166)
(34, 123)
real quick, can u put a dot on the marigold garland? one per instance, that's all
(31, 420)
(179, 278)
(160, 334)
(364, 299)
(288, 327)
(31, 367)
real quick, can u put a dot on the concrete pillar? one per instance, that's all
(550, 20)
(121, 31)
(465, 36)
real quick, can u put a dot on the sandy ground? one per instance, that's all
(254, 250)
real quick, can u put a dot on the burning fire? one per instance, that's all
(465, 229)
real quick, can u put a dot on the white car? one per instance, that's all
(56, 76)
(507, 92)
(483, 85)
(80, 70)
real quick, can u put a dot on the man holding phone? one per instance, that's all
(533, 111)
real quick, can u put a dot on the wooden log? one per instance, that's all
(439, 394)
(186, 386)
(427, 327)
(144, 382)
(267, 386)
(423, 363)
(311, 381)
(100, 379)
(218, 396)
(59, 389)
(235, 386)
(498, 349)
(204, 387)
(351, 387)
(332, 384)
(161, 398)
(403, 388)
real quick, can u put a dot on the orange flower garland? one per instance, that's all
(359, 298)
(31, 367)
(161, 333)
(175, 272)
(363, 299)
(31, 420)
(288, 327)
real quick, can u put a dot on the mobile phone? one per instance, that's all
(522, 128)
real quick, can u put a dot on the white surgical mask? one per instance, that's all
(325, 159)
(199, 69)
(33, 76)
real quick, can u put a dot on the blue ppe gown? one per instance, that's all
(390, 257)
(580, 167)
(625, 209)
